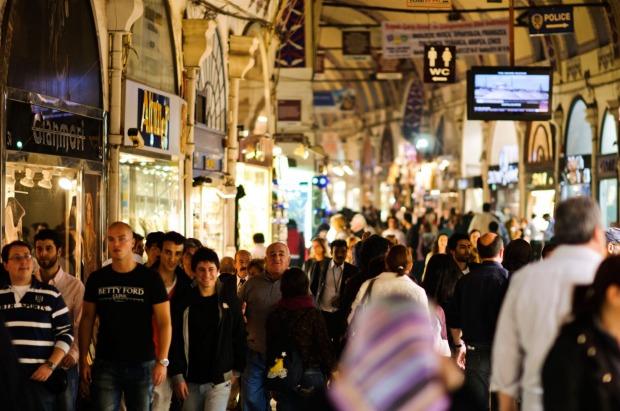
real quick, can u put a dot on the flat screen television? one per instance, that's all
(509, 93)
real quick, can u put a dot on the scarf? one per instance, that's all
(297, 303)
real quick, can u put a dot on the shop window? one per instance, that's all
(211, 101)
(151, 58)
(609, 135)
(578, 135)
(608, 200)
(40, 197)
(150, 199)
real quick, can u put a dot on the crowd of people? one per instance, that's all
(460, 313)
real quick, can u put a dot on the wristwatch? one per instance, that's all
(50, 365)
(164, 362)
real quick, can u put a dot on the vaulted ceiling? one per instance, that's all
(596, 25)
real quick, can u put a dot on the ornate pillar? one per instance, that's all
(197, 34)
(521, 127)
(558, 123)
(592, 119)
(614, 108)
(240, 60)
(487, 128)
(121, 14)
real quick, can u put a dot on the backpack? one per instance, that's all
(285, 369)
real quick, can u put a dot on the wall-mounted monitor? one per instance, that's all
(509, 93)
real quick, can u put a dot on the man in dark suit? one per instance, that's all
(327, 280)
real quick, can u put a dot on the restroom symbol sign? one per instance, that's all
(439, 63)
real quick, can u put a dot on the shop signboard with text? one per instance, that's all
(44, 130)
(156, 115)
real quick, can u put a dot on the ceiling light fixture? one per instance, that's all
(27, 180)
(46, 181)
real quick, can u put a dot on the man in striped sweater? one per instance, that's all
(37, 319)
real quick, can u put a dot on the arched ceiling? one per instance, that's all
(596, 24)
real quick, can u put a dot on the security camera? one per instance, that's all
(136, 139)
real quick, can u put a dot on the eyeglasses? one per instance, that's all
(19, 258)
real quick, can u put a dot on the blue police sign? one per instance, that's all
(551, 20)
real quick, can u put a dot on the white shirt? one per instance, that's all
(387, 284)
(138, 259)
(481, 222)
(537, 303)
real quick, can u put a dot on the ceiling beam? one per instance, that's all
(486, 10)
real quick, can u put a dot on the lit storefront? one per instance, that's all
(539, 175)
(575, 165)
(53, 149)
(607, 171)
(151, 197)
(254, 190)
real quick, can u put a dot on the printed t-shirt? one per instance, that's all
(125, 306)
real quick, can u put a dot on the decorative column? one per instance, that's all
(240, 60)
(521, 127)
(197, 34)
(592, 119)
(558, 122)
(487, 129)
(121, 14)
(614, 108)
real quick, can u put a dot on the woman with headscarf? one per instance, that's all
(298, 314)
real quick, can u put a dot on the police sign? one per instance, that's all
(555, 20)
(439, 63)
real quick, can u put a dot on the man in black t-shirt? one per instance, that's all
(125, 295)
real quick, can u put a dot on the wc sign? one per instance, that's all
(439, 63)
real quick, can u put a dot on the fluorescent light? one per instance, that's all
(338, 171)
(262, 119)
(347, 169)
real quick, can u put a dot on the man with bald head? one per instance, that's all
(259, 295)
(473, 315)
(125, 295)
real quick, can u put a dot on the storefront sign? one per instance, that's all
(356, 45)
(289, 111)
(607, 166)
(388, 69)
(154, 118)
(540, 179)
(576, 170)
(208, 162)
(406, 40)
(43, 130)
(157, 116)
(503, 175)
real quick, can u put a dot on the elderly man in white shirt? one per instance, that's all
(539, 300)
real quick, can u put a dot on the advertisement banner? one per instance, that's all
(356, 45)
(334, 100)
(406, 40)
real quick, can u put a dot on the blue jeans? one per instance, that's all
(66, 400)
(43, 399)
(478, 376)
(305, 397)
(113, 378)
(254, 394)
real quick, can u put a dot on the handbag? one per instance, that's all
(57, 382)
